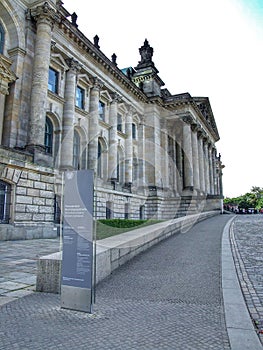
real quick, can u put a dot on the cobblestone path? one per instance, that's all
(247, 248)
(169, 297)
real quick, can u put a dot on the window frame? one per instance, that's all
(49, 136)
(2, 39)
(76, 150)
(80, 105)
(5, 202)
(134, 131)
(119, 122)
(53, 87)
(101, 107)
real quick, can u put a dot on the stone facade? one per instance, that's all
(65, 106)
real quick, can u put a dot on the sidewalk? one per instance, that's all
(18, 266)
(174, 302)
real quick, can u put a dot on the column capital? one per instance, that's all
(131, 110)
(45, 14)
(73, 64)
(188, 119)
(201, 133)
(115, 97)
(97, 83)
(195, 127)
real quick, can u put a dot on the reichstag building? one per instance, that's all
(65, 106)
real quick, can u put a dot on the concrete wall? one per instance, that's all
(114, 251)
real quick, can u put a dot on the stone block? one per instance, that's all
(34, 176)
(40, 185)
(39, 201)
(48, 276)
(32, 209)
(33, 192)
(46, 194)
(24, 200)
(21, 191)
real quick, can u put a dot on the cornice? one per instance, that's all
(97, 55)
(186, 99)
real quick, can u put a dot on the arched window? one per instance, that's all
(2, 39)
(76, 150)
(48, 136)
(5, 196)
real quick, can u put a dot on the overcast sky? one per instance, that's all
(211, 48)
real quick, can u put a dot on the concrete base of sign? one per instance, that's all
(114, 251)
(76, 298)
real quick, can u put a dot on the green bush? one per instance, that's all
(111, 227)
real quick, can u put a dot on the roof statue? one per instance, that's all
(146, 52)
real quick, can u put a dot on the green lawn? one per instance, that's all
(112, 227)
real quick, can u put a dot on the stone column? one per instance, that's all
(201, 161)
(179, 166)
(113, 138)
(220, 167)
(196, 179)
(188, 154)
(211, 178)
(128, 148)
(141, 152)
(172, 176)
(68, 115)
(45, 18)
(214, 170)
(164, 154)
(94, 125)
(206, 167)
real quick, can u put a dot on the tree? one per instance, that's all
(253, 199)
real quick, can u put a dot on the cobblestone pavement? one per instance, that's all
(18, 265)
(169, 297)
(247, 247)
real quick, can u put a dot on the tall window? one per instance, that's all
(76, 150)
(57, 210)
(133, 131)
(80, 94)
(53, 80)
(142, 212)
(119, 122)
(126, 211)
(2, 39)
(48, 136)
(101, 110)
(109, 211)
(5, 196)
(99, 171)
